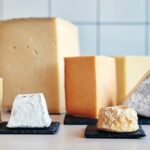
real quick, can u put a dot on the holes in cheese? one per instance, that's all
(51, 39)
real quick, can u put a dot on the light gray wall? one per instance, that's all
(107, 27)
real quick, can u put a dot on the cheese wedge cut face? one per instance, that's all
(29, 111)
(90, 83)
(32, 55)
(139, 97)
(130, 70)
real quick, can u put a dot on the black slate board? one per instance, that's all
(75, 120)
(143, 120)
(92, 132)
(50, 130)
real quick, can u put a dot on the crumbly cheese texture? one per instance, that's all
(130, 70)
(139, 99)
(32, 55)
(90, 83)
(118, 119)
(29, 111)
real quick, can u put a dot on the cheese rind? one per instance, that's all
(89, 84)
(139, 97)
(130, 70)
(31, 58)
(117, 119)
(29, 111)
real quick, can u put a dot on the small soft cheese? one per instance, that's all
(139, 98)
(29, 111)
(118, 119)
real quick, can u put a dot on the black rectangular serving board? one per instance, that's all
(92, 132)
(54, 127)
(143, 120)
(75, 120)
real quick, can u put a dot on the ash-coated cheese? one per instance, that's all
(90, 83)
(117, 119)
(139, 97)
(130, 70)
(32, 55)
(29, 111)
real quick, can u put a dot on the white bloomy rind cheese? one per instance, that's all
(29, 111)
(118, 119)
(32, 55)
(139, 98)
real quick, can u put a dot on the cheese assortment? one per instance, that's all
(32, 53)
(130, 70)
(31, 58)
(118, 119)
(90, 83)
(29, 111)
(139, 97)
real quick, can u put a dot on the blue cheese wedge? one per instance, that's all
(139, 98)
(29, 111)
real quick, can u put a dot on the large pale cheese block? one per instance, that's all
(130, 70)
(90, 83)
(139, 97)
(29, 111)
(31, 58)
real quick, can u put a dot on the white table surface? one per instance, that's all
(70, 138)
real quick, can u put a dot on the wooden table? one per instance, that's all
(70, 138)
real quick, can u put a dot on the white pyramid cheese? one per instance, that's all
(117, 119)
(90, 83)
(139, 97)
(130, 70)
(32, 55)
(29, 111)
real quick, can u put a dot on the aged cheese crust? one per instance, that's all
(118, 119)
(139, 98)
(29, 111)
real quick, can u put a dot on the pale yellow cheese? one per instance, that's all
(31, 58)
(1, 93)
(130, 70)
(90, 83)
